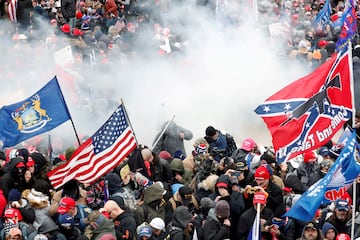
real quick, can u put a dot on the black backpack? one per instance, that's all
(231, 144)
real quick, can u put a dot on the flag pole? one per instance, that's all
(163, 131)
(351, 82)
(257, 227)
(353, 208)
(128, 120)
(67, 109)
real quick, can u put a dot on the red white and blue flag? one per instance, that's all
(349, 27)
(332, 186)
(307, 113)
(102, 152)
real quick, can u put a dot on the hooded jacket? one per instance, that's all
(105, 226)
(10, 179)
(170, 140)
(125, 226)
(153, 206)
(214, 228)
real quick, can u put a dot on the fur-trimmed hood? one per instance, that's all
(36, 199)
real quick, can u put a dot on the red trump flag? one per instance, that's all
(307, 113)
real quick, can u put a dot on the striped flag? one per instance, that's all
(12, 10)
(119, 25)
(106, 149)
(255, 233)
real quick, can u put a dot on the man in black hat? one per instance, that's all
(311, 232)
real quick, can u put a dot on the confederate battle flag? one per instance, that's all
(307, 113)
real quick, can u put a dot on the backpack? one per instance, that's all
(128, 197)
(231, 144)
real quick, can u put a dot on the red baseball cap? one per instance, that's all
(259, 197)
(65, 205)
(13, 213)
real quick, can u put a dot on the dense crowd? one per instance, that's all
(163, 193)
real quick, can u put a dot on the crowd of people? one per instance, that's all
(163, 193)
(100, 31)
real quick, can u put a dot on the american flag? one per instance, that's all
(119, 25)
(12, 10)
(106, 149)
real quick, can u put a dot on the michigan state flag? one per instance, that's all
(41, 112)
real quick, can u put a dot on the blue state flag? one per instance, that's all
(41, 112)
(323, 17)
(332, 186)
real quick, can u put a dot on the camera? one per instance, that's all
(236, 173)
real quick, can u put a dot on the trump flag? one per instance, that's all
(307, 113)
(41, 112)
(97, 156)
(332, 186)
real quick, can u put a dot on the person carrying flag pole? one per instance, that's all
(252, 224)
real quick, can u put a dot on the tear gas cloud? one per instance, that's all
(219, 79)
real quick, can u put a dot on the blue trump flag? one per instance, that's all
(331, 187)
(349, 27)
(41, 112)
(323, 17)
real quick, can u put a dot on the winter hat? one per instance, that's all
(157, 223)
(334, 152)
(248, 144)
(119, 201)
(145, 231)
(175, 187)
(343, 236)
(14, 195)
(65, 204)
(165, 155)
(66, 220)
(183, 216)
(185, 193)
(309, 157)
(328, 226)
(259, 197)
(262, 173)
(207, 203)
(42, 186)
(179, 154)
(47, 226)
(201, 149)
(222, 209)
(23, 152)
(40, 160)
(223, 182)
